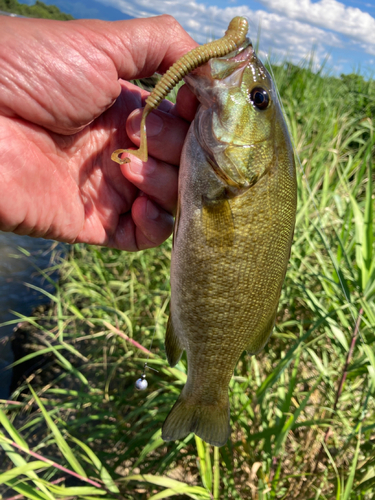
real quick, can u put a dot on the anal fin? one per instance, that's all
(173, 346)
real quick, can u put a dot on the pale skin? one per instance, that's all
(65, 106)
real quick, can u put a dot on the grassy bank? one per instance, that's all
(38, 9)
(302, 411)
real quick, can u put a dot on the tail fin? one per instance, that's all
(209, 422)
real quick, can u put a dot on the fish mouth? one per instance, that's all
(230, 68)
(203, 80)
(243, 53)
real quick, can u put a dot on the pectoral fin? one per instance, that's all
(218, 223)
(173, 346)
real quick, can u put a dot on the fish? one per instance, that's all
(232, 237)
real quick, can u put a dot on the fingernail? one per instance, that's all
(135, 165)
(151, 211)
(139, 167)
(154, 124)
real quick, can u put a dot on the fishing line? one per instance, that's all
(141, 384)
(321, 231)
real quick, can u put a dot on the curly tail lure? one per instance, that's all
(233, 38)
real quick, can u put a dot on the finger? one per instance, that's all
(141, 47)
(157, 179)
(165, 134)
(146, 226)
(186, 104)
(71, 70)
(131, 98)
(153, 225)
(142, 95)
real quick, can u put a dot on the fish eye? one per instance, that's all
(260, 98)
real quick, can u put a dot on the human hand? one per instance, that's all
(63, 111)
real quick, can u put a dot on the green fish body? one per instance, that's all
(232, 237)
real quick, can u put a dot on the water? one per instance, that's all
(20, 256)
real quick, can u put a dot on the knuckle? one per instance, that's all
(172, 22)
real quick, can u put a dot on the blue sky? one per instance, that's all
(343, 31)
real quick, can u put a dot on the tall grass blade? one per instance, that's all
(216, 489)
(11, 430)
(22, 470)
(103, 472)
(349, 484)
(19, 461)
(64, 448)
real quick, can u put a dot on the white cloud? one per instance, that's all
(369, 49)
(191, 24)
(328, 14)
(280, 35)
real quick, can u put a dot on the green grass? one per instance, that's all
(38, 9)
(302, 411)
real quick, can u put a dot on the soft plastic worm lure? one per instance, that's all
(233, 38)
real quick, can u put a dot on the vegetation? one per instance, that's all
(39, 9)
(302, 411)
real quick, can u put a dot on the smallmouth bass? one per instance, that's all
(232, 236)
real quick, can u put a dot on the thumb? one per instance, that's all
(141, 47)
(64, 74)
